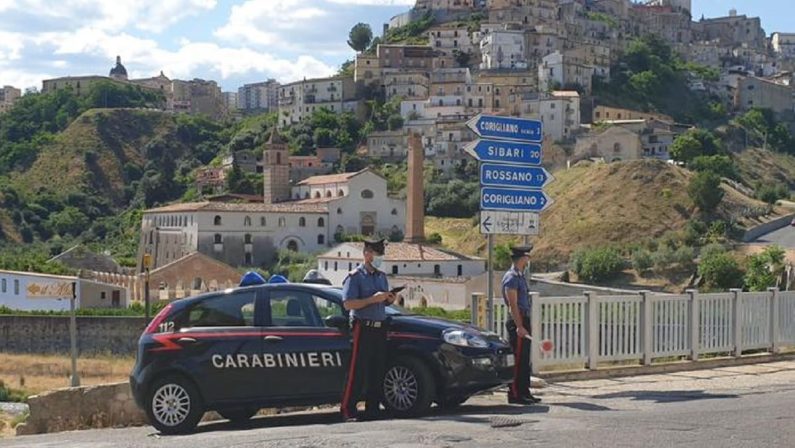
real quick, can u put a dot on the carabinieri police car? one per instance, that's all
(289, 344)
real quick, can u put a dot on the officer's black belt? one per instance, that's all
(370, 323)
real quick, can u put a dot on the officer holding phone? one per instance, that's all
(366, 294)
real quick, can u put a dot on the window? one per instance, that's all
(302, 222)
(247, 221)
(437, 270)
(460, 270)
(228, 310)
(247, 238)
(339, 211)
(102, 295)
(317, 195)
(367, 194)
(340, 193)
(321, 239)
(335, 266)
(394, 270)
(292, 246)
(282, 222)
(4, 286)
(262, 221)
(325, 266)
(617, 147)
(394, 212)
(217, 220)
(321, 222)
(296, 309)
(218, 239)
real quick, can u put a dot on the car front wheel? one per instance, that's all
(408, 388)
(174, 405)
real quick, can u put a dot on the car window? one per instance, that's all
(291, 308)
(326, 308)
(228, 310)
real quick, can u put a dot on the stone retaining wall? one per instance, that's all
(764, 229)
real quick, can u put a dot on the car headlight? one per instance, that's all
(463, 338)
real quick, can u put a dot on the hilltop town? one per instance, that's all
(193, 176)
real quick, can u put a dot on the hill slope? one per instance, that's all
(599, 204)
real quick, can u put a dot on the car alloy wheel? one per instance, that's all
(401, 388)
(171, 404)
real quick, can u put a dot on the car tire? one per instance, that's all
(452, 402)
(174, 405)
(408, 388)
(239, 415)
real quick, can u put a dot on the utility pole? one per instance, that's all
(74, 380)
(147, 264)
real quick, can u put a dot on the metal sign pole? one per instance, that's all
(75, 379)
(490, 298)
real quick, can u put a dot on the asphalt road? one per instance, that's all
(752, 406)
(784, 237)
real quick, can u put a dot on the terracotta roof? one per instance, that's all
(402, 252)
(329, 178)
(283, 207)
(252, 198)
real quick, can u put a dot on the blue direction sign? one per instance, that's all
(505, 152)
(496, 175)
(510, 128)
(492, 198)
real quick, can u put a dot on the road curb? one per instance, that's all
(682, 366)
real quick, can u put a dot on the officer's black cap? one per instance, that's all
(377, 246)
(518, 252)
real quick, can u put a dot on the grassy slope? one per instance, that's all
(757, 165)
(116, 136)
(619, 203)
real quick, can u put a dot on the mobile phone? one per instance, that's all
(397, 290)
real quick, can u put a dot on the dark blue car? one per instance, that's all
(287, 344)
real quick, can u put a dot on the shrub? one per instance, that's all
(764, 269)
(663, 257)
(434, 238)
(684, 256)
(720, 271)
(705, 191)
(642, 261)
(597, 265)
(771, 193)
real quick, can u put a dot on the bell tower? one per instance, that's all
(276, 169)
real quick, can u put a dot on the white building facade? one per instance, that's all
(503, 49)
(30, 291)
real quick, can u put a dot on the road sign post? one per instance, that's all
(511, 180)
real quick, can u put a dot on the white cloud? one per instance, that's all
(146, 15)
(266, 23)
(375, 2)
(11, 45)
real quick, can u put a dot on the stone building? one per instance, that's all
(198, 97)
(503, 49)
(80, 257)
(783, 44)
(8, 96)
(615, 144)
(734, 30)
(558, 110)
(303, 167)
(408, 85)
(248, 234)
(387, 145)
(607, 113)
(559, 70)
(299, 100)
(757, 92)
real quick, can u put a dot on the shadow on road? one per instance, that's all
(584, 406)
(671, 396)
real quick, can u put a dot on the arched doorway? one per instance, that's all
(368, 225)
(292, 246)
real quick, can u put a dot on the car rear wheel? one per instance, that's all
(408, 388)
(174, 405)
(238, 415)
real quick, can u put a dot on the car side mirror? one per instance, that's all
(337, 321)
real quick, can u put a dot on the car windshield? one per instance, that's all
(391, 310)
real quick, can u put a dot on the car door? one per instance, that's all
(221, 346)
(311, 358)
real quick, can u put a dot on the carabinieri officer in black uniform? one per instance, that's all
(517, 298)
(366, 293)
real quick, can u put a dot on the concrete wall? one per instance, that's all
(50, 334)
(758, 231)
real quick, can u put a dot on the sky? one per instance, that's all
(231, 42)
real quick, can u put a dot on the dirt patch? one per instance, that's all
(37, 373)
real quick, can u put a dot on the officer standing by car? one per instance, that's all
(517, 298)
(365, 294)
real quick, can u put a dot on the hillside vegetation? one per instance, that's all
(619, 204)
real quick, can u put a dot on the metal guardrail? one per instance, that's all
(593, 329)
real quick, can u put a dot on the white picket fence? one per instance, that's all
(592, 329)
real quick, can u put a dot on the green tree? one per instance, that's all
(719, 164)
(705, 191)
(597, 265)
(70, 221)
(764, 269)
(360, 37)
(395, 122)
(720, 271)
(462, 58)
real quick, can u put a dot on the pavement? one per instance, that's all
(741, 406)
(784, 237)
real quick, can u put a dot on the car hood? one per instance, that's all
(434, 326)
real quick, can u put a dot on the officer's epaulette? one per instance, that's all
(350, 274)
